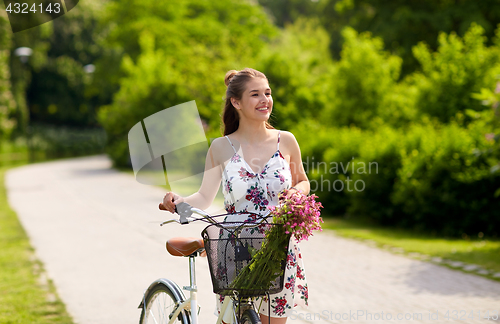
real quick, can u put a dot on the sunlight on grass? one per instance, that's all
(482, 252)
(26, 295)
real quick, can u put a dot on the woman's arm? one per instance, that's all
(299, 178)
(204, 197)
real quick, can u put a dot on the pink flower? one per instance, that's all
(300, 214)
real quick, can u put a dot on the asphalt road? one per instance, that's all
(96, 230)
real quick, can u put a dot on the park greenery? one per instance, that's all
(28, 296)
(410, 86)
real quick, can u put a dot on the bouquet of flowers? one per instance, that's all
(297, 215)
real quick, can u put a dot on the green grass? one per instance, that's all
(482, 252)
(26, 296)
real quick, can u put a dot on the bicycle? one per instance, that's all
(164, 302)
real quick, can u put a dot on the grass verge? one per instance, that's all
(26, 295)
(454, 253)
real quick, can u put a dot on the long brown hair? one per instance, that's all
(236, 82)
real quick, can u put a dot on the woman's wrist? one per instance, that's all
(296, 189)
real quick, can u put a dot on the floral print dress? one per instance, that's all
(246, 191)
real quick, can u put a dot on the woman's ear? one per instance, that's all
(235, 103)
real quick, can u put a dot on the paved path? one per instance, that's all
(96, 230)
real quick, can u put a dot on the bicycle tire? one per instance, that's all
(250, 317)
(160, 302)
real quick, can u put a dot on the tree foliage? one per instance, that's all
(362, 80)
(459, 67)
(402, 24)
(7, 103)
(175, 52)
(357, 81)
(58, 90)
(437, 159)
(298, 66)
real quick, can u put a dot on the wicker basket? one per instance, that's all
(229, 247)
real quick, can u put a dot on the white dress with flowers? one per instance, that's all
(245, 191)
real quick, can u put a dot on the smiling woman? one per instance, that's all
(255, 163)
(249, 89)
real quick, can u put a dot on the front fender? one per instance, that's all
(167, 282)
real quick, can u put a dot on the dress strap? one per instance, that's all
(231, 144)
(279, 133)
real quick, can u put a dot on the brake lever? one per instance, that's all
(170, 221)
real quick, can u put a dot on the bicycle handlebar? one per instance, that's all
(186, 211)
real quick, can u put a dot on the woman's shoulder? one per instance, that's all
(218, 144)
(221, 148)
(287, 137)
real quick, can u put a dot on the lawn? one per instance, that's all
(26, 294)
(483, 252)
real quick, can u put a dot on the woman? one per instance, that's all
(255, 162)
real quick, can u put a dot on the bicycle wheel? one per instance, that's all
(250, 317)
(160, 304)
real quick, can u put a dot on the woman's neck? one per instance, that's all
(252, 133)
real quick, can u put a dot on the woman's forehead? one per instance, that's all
(257, 84)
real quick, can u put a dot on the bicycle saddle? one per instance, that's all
(184, 246)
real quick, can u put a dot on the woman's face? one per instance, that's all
(256, 102)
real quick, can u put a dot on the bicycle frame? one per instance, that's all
(191, 303)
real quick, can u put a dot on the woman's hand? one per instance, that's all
(169, 201)
(293, 191)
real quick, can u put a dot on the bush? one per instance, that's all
(325, 156)
(443, 185)
(450, 76)
(378, 160)
(176, 51)
(427, 177)
(60, 142)
(298, 66)
(362, 81)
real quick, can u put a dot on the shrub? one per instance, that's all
(443, 185)
(62, 142)
(176, 51)
(378, 160)
(326, 155)
(460, 67)
(298, 66)
(361, 81)
(427, 177)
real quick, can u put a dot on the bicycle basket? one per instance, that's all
(229, 247)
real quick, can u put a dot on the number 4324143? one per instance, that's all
(23, 8)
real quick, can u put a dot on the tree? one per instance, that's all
(58, 93)
(402, 24)
(299, 67)
(362, 81)
(459, 67)
(172, 52)
(7, 103)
